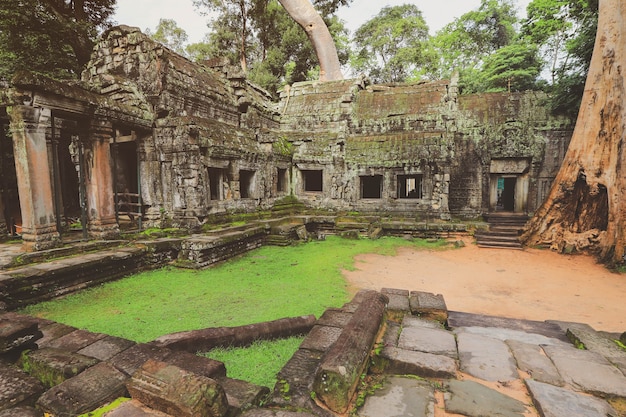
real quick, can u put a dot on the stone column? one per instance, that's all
(101, 221)
(28, 127)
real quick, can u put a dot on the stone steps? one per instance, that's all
(504, 230)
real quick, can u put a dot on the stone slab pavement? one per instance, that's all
(474, 377)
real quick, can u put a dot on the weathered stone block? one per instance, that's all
(17, 387)
(18, 335)
(76, 340)
(199, 365)
(398, 302)
(53, 366)
(86, 392)
(105, 349)
(242, 395)
(172, 390)
(320, 338)
(21, 412)
(130, 360)
(428, 305)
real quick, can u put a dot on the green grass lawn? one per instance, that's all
(265, 284)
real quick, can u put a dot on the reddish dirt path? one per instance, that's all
(530, 284)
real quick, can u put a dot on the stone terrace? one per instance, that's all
(471, 366)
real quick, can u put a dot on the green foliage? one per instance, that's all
(258, 363)
(100, 412)
(463, 44)
(564, 31)
(169, 34)
(390, 47)
(50, 37)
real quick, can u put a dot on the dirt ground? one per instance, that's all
(528, 284)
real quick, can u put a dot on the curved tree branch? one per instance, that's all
(303, 12)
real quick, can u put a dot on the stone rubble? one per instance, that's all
(470, 367)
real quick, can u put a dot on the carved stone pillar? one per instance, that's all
(28, 127)
(102, 223)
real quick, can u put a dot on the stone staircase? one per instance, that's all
(504, 230)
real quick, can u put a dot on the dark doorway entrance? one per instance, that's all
(506, 186)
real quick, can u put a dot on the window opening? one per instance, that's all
(410, 186)
(371, 186)
(281, 182)
(217, 182)
(312, 180)
(246, 183)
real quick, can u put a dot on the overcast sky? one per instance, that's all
(146, 13)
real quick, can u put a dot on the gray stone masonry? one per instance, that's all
(472, 377)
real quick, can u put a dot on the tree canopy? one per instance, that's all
(390, 47)
(65, 30)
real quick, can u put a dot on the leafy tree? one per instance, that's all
(390, 46)
(463, 44)
(169, 34)
(513, 67)
(565, 32)
(64, 30)
(274, 50)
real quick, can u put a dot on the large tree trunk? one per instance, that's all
(586, 207)
(303, 12)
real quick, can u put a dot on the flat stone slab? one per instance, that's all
(52, 332)
(93, 388)
(199, 365)
(294, 382)
(426, 365)
(400, 397)
(533, 360)
(17, 387)
(549, 329)
(589, 371)
(133, 358)
(424, 339)
(486, 358)
(554, 401)
(76, 340)
(107, 347)
(413, 321)
(53, 366)
(511, 334)
(472, 399)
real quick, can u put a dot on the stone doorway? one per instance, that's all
(509, 181)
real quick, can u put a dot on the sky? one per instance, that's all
(146, 13)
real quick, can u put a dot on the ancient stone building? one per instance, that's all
(147, 131)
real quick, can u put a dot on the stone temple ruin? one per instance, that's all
(148, 132)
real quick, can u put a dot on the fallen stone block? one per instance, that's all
(554, 401)
(321, 338)
(17, 387)
(334, 317)
(53, 366)
(428, 305)
(52, 332)
(470, 398)
(339, 371)
(172, 390)
(204, 340)
(91, 389)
